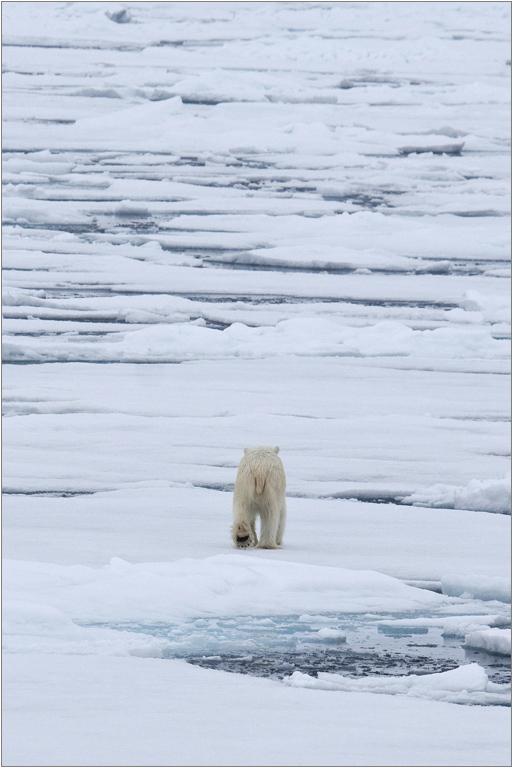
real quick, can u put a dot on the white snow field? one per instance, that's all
(231, 224)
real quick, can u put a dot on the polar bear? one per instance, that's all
(259, 490)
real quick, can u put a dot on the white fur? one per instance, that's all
(259, 490)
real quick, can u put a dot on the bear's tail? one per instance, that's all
(259, 479)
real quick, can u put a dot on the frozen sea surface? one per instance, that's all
(230, 224)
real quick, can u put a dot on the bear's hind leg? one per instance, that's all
(281, 526)
(269, 521)
(243, 534)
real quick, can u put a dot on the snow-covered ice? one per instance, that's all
(478, 586)
(231, 224)
(464, 685)
(486, 495)
(135, 711)
(492, 640)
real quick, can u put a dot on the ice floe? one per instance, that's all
(493, 640)
(468, 684)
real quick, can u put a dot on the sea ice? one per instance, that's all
(231, 224)
(465, 685)
(478, 586)
(491, 640)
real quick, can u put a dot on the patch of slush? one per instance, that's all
(352, 645)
